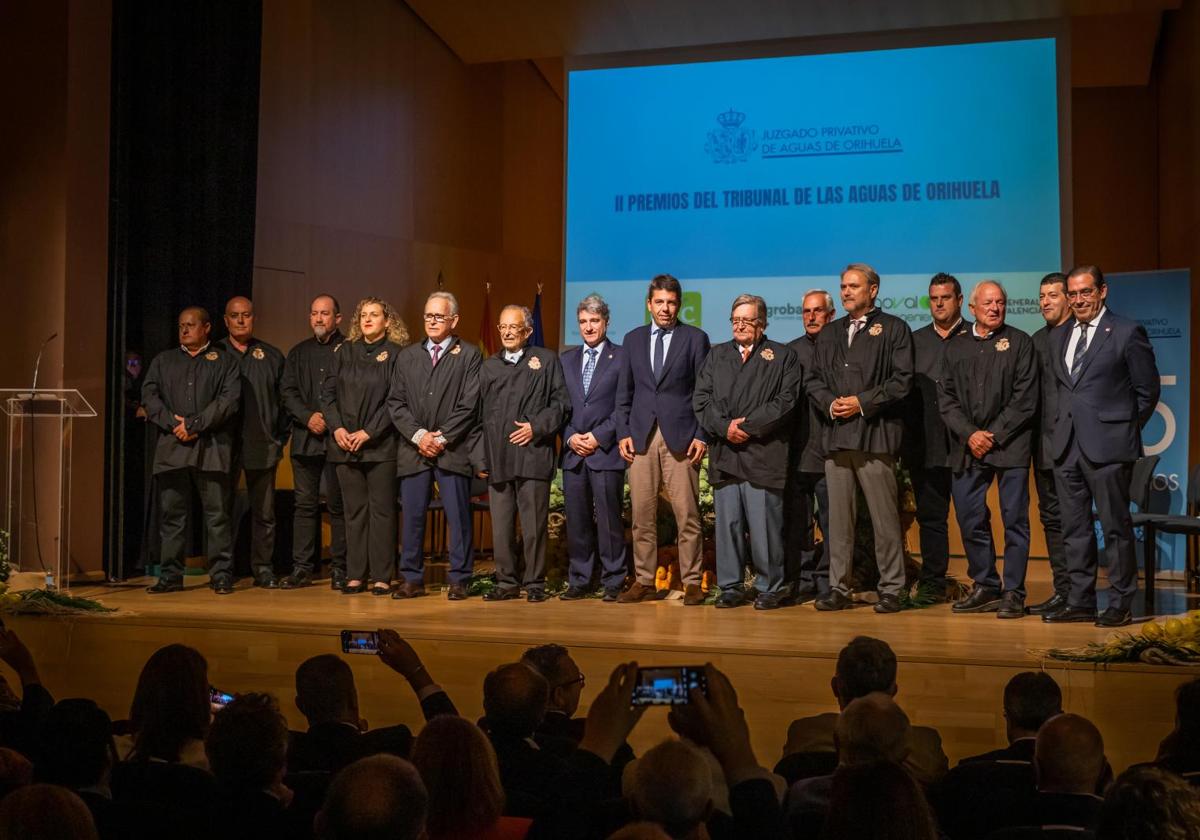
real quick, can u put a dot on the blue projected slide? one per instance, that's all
(769, 175)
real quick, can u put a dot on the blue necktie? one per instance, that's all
(660, 352)
(589, 367)
(1080, 349)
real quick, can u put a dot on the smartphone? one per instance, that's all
(218, 699)
(360, 641)
(668, 685)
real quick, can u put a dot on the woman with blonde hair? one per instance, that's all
(363, 444)
(458, 765)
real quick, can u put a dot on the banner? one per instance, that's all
(1161, 302)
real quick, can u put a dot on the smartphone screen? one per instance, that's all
(668, 685)
(360, 641)
(218, 699)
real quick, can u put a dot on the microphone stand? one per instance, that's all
(37, 527)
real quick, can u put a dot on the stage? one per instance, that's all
(952, 668)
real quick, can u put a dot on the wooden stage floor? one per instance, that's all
(952, 668)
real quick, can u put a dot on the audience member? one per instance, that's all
(20, 717)
(1030, 699)
(672, 787)
(455, 757)
(640, 831)
(247, 751)
(76, 750)
(1149, 803)
(171, 710)
(879, 800)
(45, 812)
(864, 666)
(15, 770)
(1179, 752)
(380, 797)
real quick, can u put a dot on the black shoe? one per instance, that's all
(931, 592)
(381, 591)
(1071, 615)
(502, 594)
(1052, 604)
(1114, 617)
(222, 586)
(574, 593)
(981, 599)
(835, 600)
(611, 594)
(1012, 605)
(731, 598)
(887, 604)
(297, 580)
(267, 581)
(337, 580)
(769, 601)
(162, 586)
(536, 596)
(456, 592)
(360, 587)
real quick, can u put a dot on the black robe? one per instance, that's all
(990, 384)
(764, 389)
(532, 391)
(1043, 428)
(203, 389)
(806, 454)
(926, 438)
(878, 369)
(304, 372)
(354, 397)
(443, 398)
(263, 422)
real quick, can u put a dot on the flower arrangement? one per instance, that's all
(1175, 641)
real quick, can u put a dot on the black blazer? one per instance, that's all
(354, 397)
(444, 398)
(1047, 401)
(926, 438)
(666, 401)
(595, 411)
(531, 391)
(806, 453)
(328, 747)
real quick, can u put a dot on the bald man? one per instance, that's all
(988, 395)
(262, 432)
(191, 395)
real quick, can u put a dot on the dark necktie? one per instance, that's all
(437, 351)
(1080, 349)
(589, 368)
(660, 352)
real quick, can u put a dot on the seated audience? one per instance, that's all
(879, 800)
(864, 666)
(1179, 752)
(15, 770)
(45, 812)
(672, 787)
(640, 831)
(21, 716)
(453, 756)
(380, 797)
(76, 751)
(1149, 803)
(247, 752)
(1030, 699)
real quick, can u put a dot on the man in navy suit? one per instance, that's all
(1108, 387)
(661, 438)
(593, 470)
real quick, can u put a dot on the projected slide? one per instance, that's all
(769, 175)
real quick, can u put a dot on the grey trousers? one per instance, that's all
(528, 498)
(744, 510)
(873, 472)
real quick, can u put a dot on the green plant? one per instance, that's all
(5, 568)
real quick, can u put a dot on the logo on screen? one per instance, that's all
(689, 310)
(731, 143)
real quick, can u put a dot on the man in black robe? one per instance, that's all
(523, 404)
(191, 395)
(989, 393)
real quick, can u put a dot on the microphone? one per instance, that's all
(37, 364)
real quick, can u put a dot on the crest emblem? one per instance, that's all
(535, 363)
(382, 357)
(876, 329)
(1001, 345)
(258, 353)
(456, 349)
(731, 143)
(211, 355)
(768, 355)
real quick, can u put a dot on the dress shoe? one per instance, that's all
(536, 596)
(408, 589)
(730, 598)
(296, 580)
(693, 595)
(162, 586)
(769, 600)
(381, 591)
(835, 600)
(887, 604)
(267, 581)
(574, 593)
(981, 599)
(611, 594)
(347, 589)
(455, 592)
(1012, 605)
(1052, 604)
(502, 594)
(931, 592)
(1070, 614)
(222, 586)
(337, 580)
(804, 595)
(1114, 617)
(637, 593)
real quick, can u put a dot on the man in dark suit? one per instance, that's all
(593, 470)
(861, 374)
(1030, 699)
(661, 438)
(745, 395)
(434, 403)
(805, 497)
(1108, 386)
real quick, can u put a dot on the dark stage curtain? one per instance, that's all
(184, 154)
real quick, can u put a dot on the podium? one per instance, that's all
(40, 428)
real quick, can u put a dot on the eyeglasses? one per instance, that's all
(511, 328)
(437, 319)
(744, 322)
(581, 679)
(1083, 294)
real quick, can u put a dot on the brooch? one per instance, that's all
(258, 353)
(382, 357)
(535, 363)
(456, 349)
(1001, 345)
(211, 355)
(876, 329)
(767, 354)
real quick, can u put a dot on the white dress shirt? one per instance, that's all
(655, 329)
(1074, 339)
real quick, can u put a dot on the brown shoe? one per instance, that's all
(693, 595)
(408, 590)
(456, 592)
(637, 593)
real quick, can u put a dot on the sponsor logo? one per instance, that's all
(731, 143)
